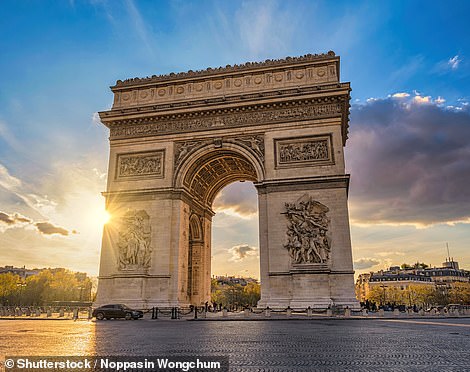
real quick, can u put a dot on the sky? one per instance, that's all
(408, 150)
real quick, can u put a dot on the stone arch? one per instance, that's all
(176, 140)
(195, 229)
(208, 170)
(195, 257)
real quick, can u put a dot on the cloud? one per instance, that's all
(7, 180)
(5, 218)
(365, 263)
(266, 27)
(409, 162)
(239, 199)
(140, 26)
(454, 62)
(13, 220)
(400, 95)
(422, 100)
(48, 229)
(240, 252)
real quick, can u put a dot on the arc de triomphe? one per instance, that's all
(176, 140)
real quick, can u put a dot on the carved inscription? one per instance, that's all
(134, 241)
(304, 151)
(140, 164)
(308, 225)
(161, 125)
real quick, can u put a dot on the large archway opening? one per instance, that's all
(235, 232)
(235, 257)
(223, 218)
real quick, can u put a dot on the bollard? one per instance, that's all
(38, 312)
(396, 312)
(49, 313)
(381, 313)
(90, 313)
(309, 311)
(156, 313)
(365, 312)
(61, 312)
(267, 312)
(288, 312)
(246, 313)
(75, 313)
(195, 312)
(347, 312)
(421, 312)
(224, 313)
(329, 312)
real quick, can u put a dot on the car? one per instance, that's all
(116, 311)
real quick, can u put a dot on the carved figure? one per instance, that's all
(307, 228)
(183, 149)
(134, 241)
(140, 165)
(303, 151)
(256, 143)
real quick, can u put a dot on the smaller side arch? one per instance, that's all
(195, 229)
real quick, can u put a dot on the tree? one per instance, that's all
(235, 295)
(459, 293)
(9, 288)
(252, 293)
(45, 287)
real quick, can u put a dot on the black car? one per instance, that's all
(117, 311)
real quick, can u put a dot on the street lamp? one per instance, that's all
(21, 286)
(383, 286)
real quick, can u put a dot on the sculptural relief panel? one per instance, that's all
(134, 241)
(307, 231)
(304, 151)
(140, 165)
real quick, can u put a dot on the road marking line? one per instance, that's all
(423, 322)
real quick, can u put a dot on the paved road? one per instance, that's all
(287, 345)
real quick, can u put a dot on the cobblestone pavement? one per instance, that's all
(287, 345)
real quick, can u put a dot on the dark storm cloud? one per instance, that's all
(49, 229)
(365, 263)
(12, 219)
(409, 162)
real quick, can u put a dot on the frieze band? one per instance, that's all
(160, 125)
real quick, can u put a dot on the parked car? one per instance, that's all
(116, 311)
